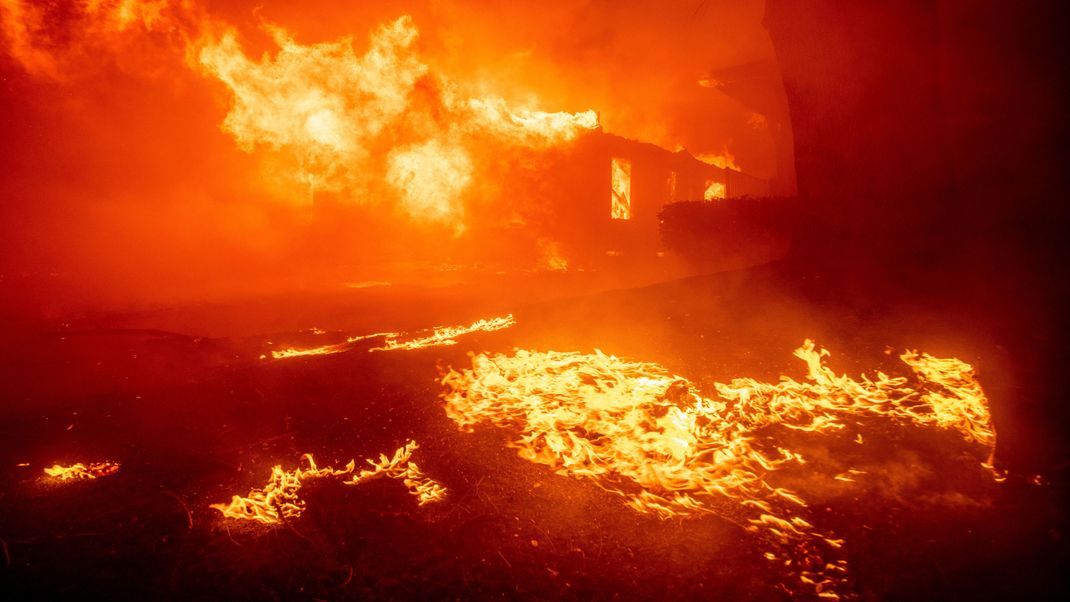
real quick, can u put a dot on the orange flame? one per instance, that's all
(346, 345)
(80, 471)
(438, 336)
(724, 159)
(652, 438)
(714, 191)
(279, 500)
(442, 336)
(353, 123)
(400, 466)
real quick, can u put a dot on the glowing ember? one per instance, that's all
(82, 471)
(279, 500)
(447, 335)
(652, 438)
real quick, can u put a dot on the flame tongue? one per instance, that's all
(652, 438)
(356, 123)
(279, 500)
(82, 471)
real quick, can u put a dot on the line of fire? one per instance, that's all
(528, 300)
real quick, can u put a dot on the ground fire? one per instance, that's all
(80, 471)
(652, 438)
(479, 300)
(279, 500)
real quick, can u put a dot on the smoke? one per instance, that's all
(167, 148)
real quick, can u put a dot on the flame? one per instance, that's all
(346, 345)
(439, 336)
(530, 127)
(279, 500)
(321, 102)
(353, 123)
(724, 159)
(652, 438)
(400, 466)
(714, 191)
(82, 471)
(431, 177)
(446, 335)
(620, 189)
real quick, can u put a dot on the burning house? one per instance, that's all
(606, 192)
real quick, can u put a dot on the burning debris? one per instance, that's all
(81, 472)
(438, 336)
(279, 500)
(654, 439)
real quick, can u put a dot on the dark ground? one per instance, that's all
(183, 401)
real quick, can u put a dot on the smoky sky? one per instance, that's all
(120, 187)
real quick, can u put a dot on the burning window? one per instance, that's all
(621, 170)
(714, 190)
(671, 183)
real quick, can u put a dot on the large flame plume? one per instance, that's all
(653, 438)
(354, 123)
(368, 126)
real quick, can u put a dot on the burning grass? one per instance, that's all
(280, 501)
(654, 439)
(439, 336)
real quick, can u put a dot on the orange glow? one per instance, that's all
(652, 438)
(80, 471)
(724, 159)
(320, 135)
(551, 257)
(621, 189)
(714, 191)
(333, 114)
(279, 500)
(25, 27)
(534, 128)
